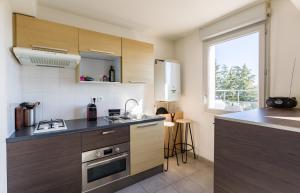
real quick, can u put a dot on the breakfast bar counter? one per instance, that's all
(257, 151)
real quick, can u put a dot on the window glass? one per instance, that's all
(233, 79)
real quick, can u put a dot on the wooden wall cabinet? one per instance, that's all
(137, 61)
(91, 41)
(146, 146)
(31, 32)
(137, 58)
(45, 165)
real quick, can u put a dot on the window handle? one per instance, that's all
(205, 99)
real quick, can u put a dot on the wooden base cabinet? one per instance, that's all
(255, 159)
(146, 146)
(46, 165)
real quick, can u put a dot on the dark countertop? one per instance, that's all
(284, 119)
(77, 125)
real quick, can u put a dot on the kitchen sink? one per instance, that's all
(124, 119)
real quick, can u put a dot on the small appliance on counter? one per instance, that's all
(282, 102)
(92, 111)
(25, 114)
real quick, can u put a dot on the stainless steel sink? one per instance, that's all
(124, 119)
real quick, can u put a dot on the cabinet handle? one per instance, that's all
(49, 49)
(102, 162)
(136, 82)
(108, 132)
(100, 51)
(146, 125)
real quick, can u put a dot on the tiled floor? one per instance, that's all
(194, 177)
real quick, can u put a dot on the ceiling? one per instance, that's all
(163, 18)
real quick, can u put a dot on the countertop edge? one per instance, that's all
(264, 124)
(13, 139)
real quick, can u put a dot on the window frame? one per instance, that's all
(258, 27)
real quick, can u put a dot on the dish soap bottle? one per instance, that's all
(112, 77)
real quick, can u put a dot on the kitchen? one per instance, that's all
(95, 100)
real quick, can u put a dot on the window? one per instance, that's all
(235, 69)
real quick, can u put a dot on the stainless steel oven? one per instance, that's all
(105, 165)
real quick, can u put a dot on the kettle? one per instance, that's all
(92, 111)
(29, 113)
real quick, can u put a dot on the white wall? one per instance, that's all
(189, 52)
(28, 8)
(62, 97)
(9, 85)
(285, 44)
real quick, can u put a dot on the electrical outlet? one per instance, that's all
(98, 99)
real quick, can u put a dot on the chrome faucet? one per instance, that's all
(125, 113)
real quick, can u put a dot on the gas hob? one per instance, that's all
(49, 126)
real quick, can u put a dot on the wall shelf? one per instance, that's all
(97, 65)
(98, 82)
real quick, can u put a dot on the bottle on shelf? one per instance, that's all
(112, 77)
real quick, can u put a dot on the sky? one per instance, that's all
(244, 50)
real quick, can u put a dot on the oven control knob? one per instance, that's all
(117, 149)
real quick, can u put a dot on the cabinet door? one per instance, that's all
(31, 32)
(99, 42)
(45, 165)
(137, 62)
(146, 146)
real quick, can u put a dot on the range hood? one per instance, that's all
(36, 57)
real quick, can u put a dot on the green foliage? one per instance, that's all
(234, 79)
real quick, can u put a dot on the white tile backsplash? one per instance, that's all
(62, 97)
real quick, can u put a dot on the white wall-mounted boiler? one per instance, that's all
(167, 81)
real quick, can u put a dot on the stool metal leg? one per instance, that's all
(168, 154)
(174, 145)
(192, 140)
(186, 144)
(181, 142)
(176, 152)
(181, 138)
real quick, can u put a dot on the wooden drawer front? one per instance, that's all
(137, 62)
(45, 165)
(99, 42)
(146, 146)
(104, 137)
(30, 32)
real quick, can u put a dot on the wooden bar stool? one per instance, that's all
(184, 138)
(169, 126)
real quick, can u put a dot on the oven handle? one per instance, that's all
(106, 161)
